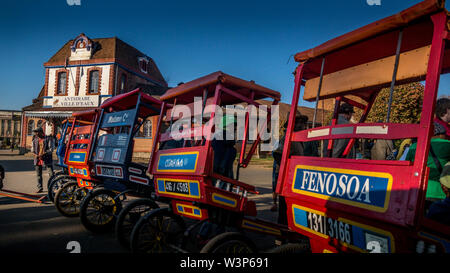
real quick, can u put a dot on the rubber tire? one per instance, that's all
(87, 223)
(122, 234)
(55, 176)
(291, 248)
(59, 196)
(51, 192)
(223, 241)
(134, 245)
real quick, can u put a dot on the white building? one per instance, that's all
(84, 73)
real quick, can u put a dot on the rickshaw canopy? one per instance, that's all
(129, 100)
(185, 92)
(373, 51)
(87, 115)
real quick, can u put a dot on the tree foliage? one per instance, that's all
(406, 105)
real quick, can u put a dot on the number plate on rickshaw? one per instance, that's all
(177, 187)
(329, 226)
(109, 171)
(353, 234)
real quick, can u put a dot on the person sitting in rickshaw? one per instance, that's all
(440, 210)
(438, 156)
(224, 150)
(442, 116)
(346, 112)
(172, 143)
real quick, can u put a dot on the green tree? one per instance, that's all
(406, 105)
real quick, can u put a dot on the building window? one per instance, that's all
(143, 64)
(30, 127)
(123, 83)
(62, 83)
(148, 129)
(40, 124)
(94, 81)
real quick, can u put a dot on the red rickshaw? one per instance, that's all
(68, 198)
(345, 204)
(185, 170)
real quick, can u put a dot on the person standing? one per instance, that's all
(297, 149)
(42, 148)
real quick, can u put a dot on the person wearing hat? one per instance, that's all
(346, 112)
(440, 211)
(42, 150)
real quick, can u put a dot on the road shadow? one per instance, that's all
(263, 190)
(21, 165)
(41, 229)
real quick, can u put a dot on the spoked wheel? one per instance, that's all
(56, 184)
(230, 243)
(129, 216)
(99, 210)
(159, 231)
(55, 176)
(68, 199)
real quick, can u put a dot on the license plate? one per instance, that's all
(108, 171)
(177, 187)
(329, 226)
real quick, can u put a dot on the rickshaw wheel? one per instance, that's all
(159, 231)
(55, 185)
(229, 243)
(56, 175)
(129, 216)
(291, 248)
(98, 210)
(68, 199)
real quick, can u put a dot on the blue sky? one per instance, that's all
(250, 39)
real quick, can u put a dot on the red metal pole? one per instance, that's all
(362, 119)
(210, 157)
(417, 195)
(337, 106)
(246, 131)
(289, 130)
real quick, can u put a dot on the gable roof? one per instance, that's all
(110, 49)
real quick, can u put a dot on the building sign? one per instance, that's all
(71, 101)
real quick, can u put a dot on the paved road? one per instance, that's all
(33, 227)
